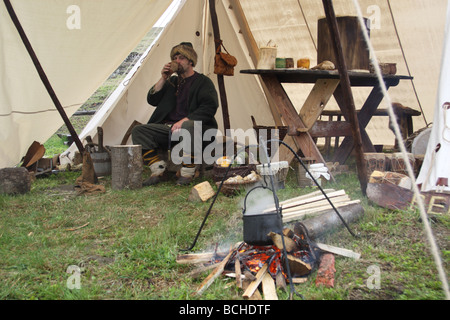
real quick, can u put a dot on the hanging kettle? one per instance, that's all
(257, 226)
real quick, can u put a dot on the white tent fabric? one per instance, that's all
(407, 32)
(79, 43)
(191, 23)
(397, 31)
(435, 172)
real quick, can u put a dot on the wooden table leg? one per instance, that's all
(367, 111)
(291, 118)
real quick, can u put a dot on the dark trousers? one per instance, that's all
(189, 141)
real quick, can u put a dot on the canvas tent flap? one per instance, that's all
(191, 23)
(406, 32)
(79, 44)
(435, 171)
(395, 34)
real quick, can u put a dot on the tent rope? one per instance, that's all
(406, 62)
(307, 24)
(432, 241)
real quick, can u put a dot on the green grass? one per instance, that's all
(128, 246)
(126, 242)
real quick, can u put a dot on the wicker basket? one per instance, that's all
(242, 170)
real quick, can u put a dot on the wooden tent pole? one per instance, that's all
(42, 75)
(220, 78)
(254, 54)
(346, 91)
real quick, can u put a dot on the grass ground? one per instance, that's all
(126, 243)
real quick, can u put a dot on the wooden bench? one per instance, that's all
(404, 119)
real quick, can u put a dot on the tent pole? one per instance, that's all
(42, 75)
(346, 92)
(220, 78)
(254, 54)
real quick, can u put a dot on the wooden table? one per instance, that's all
(326, 84)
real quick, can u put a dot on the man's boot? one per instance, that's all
(158, 170)
(186, 175)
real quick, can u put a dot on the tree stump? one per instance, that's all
(15, 181)
(126, 167)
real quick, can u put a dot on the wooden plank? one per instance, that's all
(339, 251)
(328, 129)
(316, 204)
(254, 284)
(268, 286)
(315, 211)
(317, 100)
(214, 275)
(306, 196)
(237, 268)
(306, 199)
(194, 258)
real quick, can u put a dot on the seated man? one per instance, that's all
(182, 102)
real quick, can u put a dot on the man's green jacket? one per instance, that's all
(203, 101)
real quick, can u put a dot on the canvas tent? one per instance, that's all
(77, 61)
(435, 170)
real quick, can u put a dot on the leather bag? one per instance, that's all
(224, 62)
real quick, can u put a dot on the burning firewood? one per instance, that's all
(216, 273)
(254, 285)
(297, 266)
(289, 243)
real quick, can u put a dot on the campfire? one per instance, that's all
(290, 257)
(272, 255)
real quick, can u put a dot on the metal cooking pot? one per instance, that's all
(257, 226)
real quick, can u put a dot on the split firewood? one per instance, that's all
(308, 196)
(317, 204)
(256, 294)
(277, 239)
(298, 215)
(215, 274)
(299, 280)
(280, 279)
(248, 275)
(297, 267)
(254, 284)
(303, 200)
(395, 178)
(268, 287)
(237, 268)
(194, 258)
(201, 192)
(340, 251)
(326, 271)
